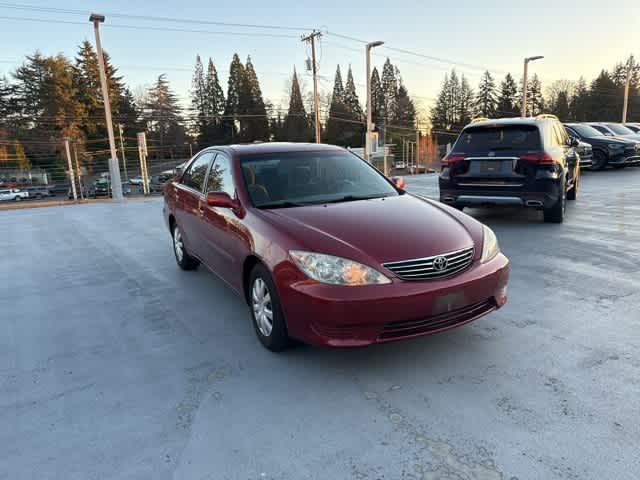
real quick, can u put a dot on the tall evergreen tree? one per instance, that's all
(377, 97)
(338, 121)
(215, 107)
(405, 113)
(579, 101)
(486, 101)
(199, 102)
(440, 113)
(296, 126)
(162, 115)
(233, 107)
(389, 90)
(535, 100)
(356, 129)
(465, 102)
(604, 104)
(507, 102)
(255, 125)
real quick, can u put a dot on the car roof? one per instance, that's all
(274, 147)
(532, 121)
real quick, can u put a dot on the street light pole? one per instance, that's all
(114, 167)
(626, 92)
(524, 82)
(369, 113)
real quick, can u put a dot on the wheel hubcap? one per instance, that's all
(177, 244)
(262, 308)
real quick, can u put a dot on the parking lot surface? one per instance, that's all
(116, 364)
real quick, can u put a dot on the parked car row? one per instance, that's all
(613, 144)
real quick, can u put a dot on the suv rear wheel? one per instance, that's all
(573, 193)
(555, 214)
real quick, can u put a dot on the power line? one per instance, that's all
(35, 8)
(151, 28)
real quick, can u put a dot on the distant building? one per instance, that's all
(37, 176)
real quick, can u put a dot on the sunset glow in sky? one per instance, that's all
(576, 37)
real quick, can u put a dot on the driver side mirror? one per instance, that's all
(398, 182)
(221, 200)
(574, 142)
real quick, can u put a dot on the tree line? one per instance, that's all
(49, 98)
(601, 100)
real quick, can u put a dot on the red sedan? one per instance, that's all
(327, 250)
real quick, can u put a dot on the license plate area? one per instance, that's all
(491, 168)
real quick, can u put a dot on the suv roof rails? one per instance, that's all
(479, 119)
(544, 116)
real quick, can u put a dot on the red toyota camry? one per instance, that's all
(327, 250)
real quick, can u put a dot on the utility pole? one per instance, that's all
(71, 175)
(75, 156)
(368, 140)
(524, 82)
(114, 167)
(142, 153)
(418, 150)
(626, 92)
(311, 38)
(124, 159)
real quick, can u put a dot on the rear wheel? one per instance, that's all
(555, 214)
(573, 193)
(599, 160)
(18, 199)
(184, 260)
(266, 311)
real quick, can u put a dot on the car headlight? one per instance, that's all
(490, 247)
(615, 146)
(336, 270)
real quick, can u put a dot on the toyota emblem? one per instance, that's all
(440, 263)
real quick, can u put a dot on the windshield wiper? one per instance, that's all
(354, 198)
(285, 204)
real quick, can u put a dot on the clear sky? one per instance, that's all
(576, 38)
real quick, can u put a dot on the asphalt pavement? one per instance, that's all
(115, 364)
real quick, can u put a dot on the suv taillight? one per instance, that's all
(452, 158)
(541, 158)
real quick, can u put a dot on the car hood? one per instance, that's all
(605, 140)
(378, 230)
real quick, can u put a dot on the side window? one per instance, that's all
(563, 137)
(197, 171)
(220, 178)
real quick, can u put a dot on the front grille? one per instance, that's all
(437, 322)
(430, 268)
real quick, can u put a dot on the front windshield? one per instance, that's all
(619, 129)
(586, 131)
(291, 179)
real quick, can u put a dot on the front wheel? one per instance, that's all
(18, 199)
(266, 311)
(599, 160)
(183, 259)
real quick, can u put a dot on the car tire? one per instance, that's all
(266, 311)
(18, 199)
(183, 259)
(555, 214)
(599, 160)
(573, 193)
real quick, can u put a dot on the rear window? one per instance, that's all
(498, 138)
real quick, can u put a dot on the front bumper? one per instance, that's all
(625, 160)
(356, 316)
